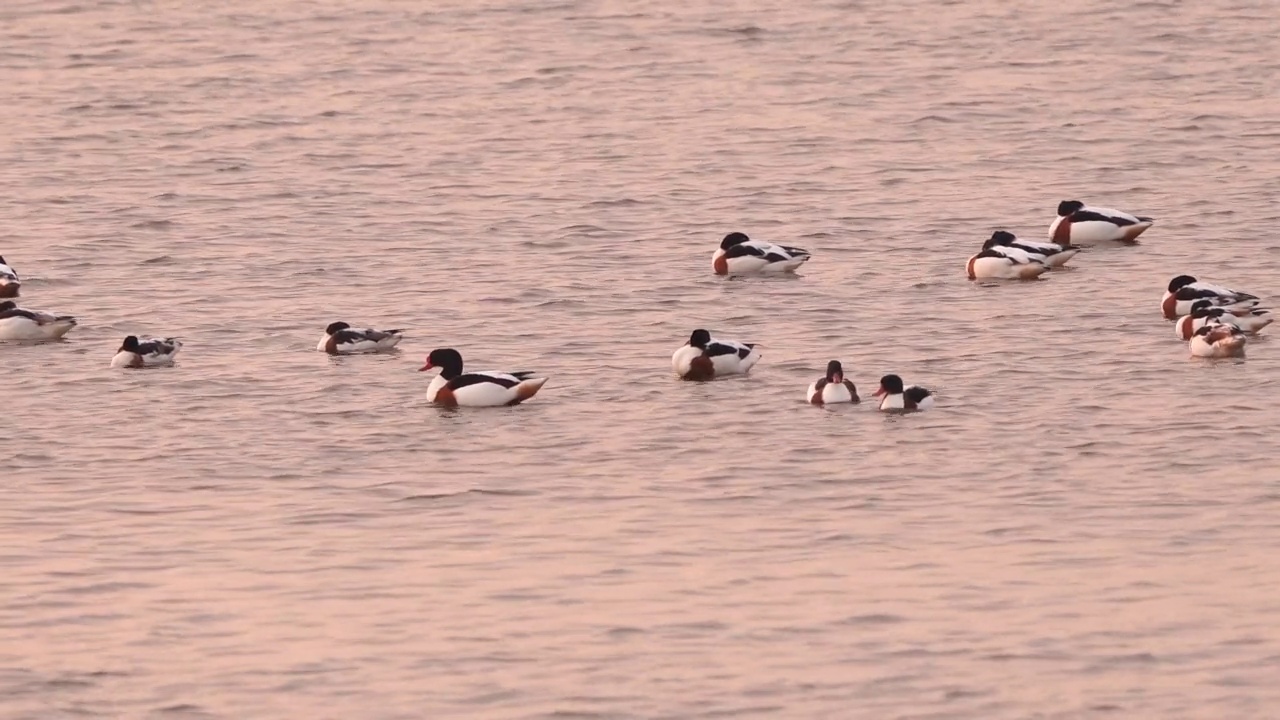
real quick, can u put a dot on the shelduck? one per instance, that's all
(832, 387)
(1050, 253)
(1080, 224)
(705, 358)
(1184, 291)
(32, 325)
(1001, 262)
(340, 339)
(1218, 341)
(451, 387)
(138, 352)
(9, 283)
(740, 255)
(896, 397)
(1203, 312)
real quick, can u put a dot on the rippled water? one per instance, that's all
(1086, 526)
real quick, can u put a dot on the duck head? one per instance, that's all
(889, 385)
(447, 359)
(835, 373)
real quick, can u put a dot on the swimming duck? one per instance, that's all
(453, 388)
(19, 324)
(1217, 341)
(1203, 312)
(340, 339)
(138, 352)
(832, 387)
(1051, 254)
(740, 255)
(997, 261)
(1079, 224)
(1185, 290)
(896, 397)
(9, 283)
(704, 358)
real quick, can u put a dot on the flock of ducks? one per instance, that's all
(1215, 321)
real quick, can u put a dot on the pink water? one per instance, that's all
(1086, 526)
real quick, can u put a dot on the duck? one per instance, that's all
(340, 339)
(1080, 224)
(1184, 291)
(1218, 341)
(832, 387)
(1001, 262)
(896, 397)
(138, 352)
(740, 255)
(705, 358)
(9, 283)
(1203, 312)
(1050, 253)
(19, 324)
(451, 387)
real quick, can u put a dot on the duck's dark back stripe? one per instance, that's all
(475, 379)
(1088, 216)
(715, 349)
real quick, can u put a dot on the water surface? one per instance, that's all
(1085, 527)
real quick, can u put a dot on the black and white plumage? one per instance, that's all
(340, 339)
(32, 325)
(1080, 224)
(1184, 291)
(136, 352)
(998, 260)
(894, 396)
(1050, 253)
(740, 255)
(832, 387)
(9, 283)
(705, 357)
(1203, 312)
(452, 387)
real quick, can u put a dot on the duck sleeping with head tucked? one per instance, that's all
(1080, 224)
(32, 325)
(706, 358)
(740, 255)
(138, 352)
(340, 339)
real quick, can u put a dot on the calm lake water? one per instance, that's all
(1086, 526)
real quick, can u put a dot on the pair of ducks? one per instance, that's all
(706, 358)
(1216, 321)
(1006, 257)
(451, 387)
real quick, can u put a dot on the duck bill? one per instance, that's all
(880, 393)
(426, 367)
(837, 378)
